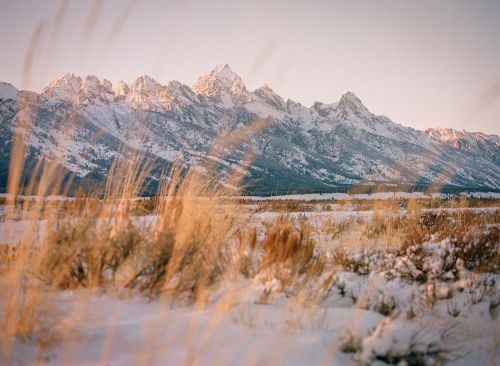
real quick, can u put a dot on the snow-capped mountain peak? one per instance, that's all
(350, 102)
(97, 90)
(222, 84)
(295, 148)
(270, 97)
(146, 83)
(347, 107)
(67, 87)
(223, 71)
(87, 90)
(145, 94)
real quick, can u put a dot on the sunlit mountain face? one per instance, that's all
(276, 145)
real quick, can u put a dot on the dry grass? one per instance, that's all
(289, 253)
(286, 206)
(196, 243)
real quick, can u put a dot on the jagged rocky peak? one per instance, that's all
(8, 91)
(220, 80)
(176, 87)
(121, 89)
(450, 134)
(69, 79)
(225, 75)
(324, 109)
(270, 97)
(474, 142)
(87, 90)
(176, 90)
(349, 101)
(146, 83)
(266, 90)
(63, 87)
(97, 90)
(93, 82)
(144, 94)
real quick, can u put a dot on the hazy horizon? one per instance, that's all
(422, 65)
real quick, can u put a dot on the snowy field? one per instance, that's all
(13, 231)
(370, 303)
(372, 196)
(384, 315)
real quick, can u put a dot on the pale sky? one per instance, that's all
(421, 63)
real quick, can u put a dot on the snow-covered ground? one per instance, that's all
(132, 331)
(383, 316)
(374, 307)
(13, 231)
(371, 196)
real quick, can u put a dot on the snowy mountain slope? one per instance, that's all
(8, 91)
(84, 123)
(474, 142)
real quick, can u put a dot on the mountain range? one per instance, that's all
(276, 146)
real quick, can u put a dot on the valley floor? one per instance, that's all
(370, 304)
